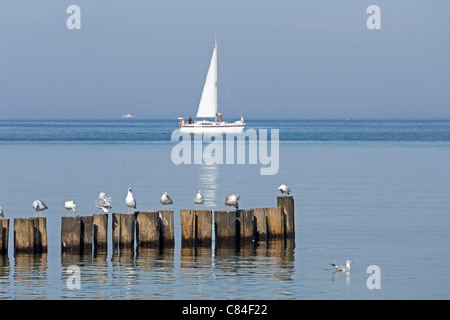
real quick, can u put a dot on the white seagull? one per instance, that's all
(165, 199)
(198, 200)
(2, 215)
(232, 200)
(284, 189)
(39, 206)
(103, 202)
(70, 205)
(345, 268)
(130, 201)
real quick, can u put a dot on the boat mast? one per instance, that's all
(215, 48)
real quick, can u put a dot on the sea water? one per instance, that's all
(373, 191)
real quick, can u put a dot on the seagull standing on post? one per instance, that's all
(2, 215)
(198, 200)
(39, 206)
(284, 189)
(70, 205)
(165, 200)
(232, 200)
(103, 202)
(130, 201)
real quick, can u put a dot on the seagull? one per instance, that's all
(130, 201)
(1, 213)
(38, 205)
(232, 200)
(284, 189)
(165, 199)
(69, 204)
(345, 268)
(198, 200)
(103, 202)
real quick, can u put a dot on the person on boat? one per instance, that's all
(190, 120)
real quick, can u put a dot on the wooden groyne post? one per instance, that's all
(196, 228)
(167, 228)
(126, 233)
(287, 203)
(87, 226)
(259, 217)
(100, 234)
(246, 226)
(148, 230)
(71, 234)
(30, 235)
(4, 236)
(123, 230)
(77, 234)
(275, 223)
(225, 228)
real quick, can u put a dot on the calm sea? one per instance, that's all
(375, 192)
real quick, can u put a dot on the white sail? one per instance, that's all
(208, 102)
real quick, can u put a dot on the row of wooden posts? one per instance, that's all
(88, 234)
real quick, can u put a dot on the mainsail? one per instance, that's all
(208, 102)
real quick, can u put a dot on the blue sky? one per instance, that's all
(302, 59)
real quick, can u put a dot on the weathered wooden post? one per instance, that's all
(100, 225)
(225, 228)
(188, 228)
(115, 230)
(23, 236)
(147, 229)
(275, 223)
(167, 228)
(126, 234)
(204, 228)
(40, 234)
(246, 226)
(259, 216)
(87, 225)
(196, 228)
(4, 226)
(287, 202)
(71, 234)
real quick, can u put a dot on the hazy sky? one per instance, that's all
(303, 59)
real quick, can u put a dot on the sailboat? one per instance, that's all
(207, 108)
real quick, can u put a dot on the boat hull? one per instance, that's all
(212, 129)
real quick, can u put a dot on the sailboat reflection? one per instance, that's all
(208, 180)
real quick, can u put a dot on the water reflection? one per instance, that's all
(154, 273)
(5, 269)
(30, 276)
(341, 277)
(208, 182)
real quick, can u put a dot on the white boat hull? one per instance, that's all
(212, 129)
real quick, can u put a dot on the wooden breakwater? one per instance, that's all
(30, 235)
(82, 235)
(238, 227)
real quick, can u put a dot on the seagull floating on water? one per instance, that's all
(2, 215)
(103, 202)
(345, 268)
(284, 189)
(130, 201)
(39, 206)
(232, 200)
(165, 200)
(198, 200)
(70, 205)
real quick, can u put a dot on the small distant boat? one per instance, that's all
(128, 115)
(208, 108)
